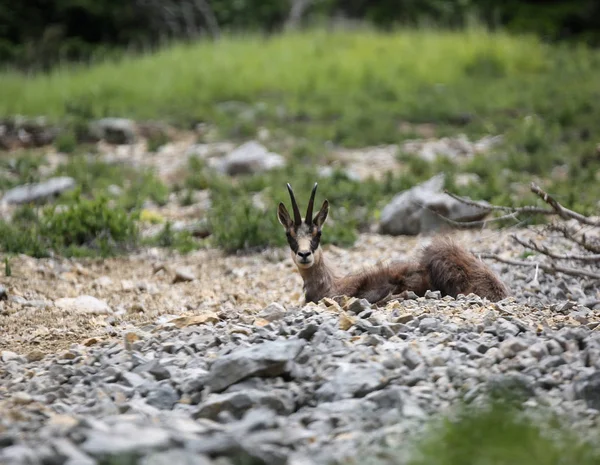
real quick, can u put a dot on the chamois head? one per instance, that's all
(303, 236)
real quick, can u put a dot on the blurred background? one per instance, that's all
(191, 115)
(37, 34)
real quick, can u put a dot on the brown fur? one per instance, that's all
(452, 271)
(442, 266)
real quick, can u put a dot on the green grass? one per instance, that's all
(496, 433)
(345, 76)
(81, 228)
(351, 88)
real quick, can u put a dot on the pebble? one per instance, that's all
(297, 389)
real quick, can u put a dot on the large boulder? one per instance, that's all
(114, 130)
(38, 192)
(249, 158)
(421, 208)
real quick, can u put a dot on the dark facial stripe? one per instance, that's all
(292, 242)
(314, 243)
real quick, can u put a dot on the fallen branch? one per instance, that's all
(561, 211)
(512, 210)
(583, 242)
(530, 244)
(551, 268)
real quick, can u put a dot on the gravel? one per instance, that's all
(233, 365)
(298, 389)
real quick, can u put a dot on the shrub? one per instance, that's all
(83, 227)
(89, 225)
(182, 241)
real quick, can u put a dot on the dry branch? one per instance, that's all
(530, 244)
(569, 235)
(512, 210)
(549, 268)
(561, 211)
(556, 209)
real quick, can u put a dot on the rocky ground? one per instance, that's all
(160, 359)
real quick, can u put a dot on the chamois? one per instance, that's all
(443, 266)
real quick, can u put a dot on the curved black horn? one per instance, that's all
(297, 216)
(309, 210)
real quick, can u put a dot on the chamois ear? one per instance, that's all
(319, 220)
(283, 216)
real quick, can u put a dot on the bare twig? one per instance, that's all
(530, 244)
(561, 211)
(513, 210)
(551, 268)
(582, 242)
(467, 224)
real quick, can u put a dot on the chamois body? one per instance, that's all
(442, 266)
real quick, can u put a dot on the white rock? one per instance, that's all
(84, 304)
(421, 208)
(250, 157)
(35, 192)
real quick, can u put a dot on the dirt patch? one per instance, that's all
(140, 289)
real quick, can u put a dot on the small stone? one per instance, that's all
(239, 402)
(204, 318)
(84, 304)
(183, 275)
(273, 312)
(125, 438)
(21, 398)
(103, 281)
(250, 157)
(411, 358)
(266, 359)
(357, 306)
(132, 379)
(352, 380)
(538, 350)
(7, 356)
(308, 331)
(91, 341)
(405, 318)
(513, 346)
(3, 293)
(162, 396)
(429, 325)
(434, 295)
(505, 328)
(346, 322)
(35, 355)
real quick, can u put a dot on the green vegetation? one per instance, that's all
(182, 241)
(82, 228)
(37, 35)
(499, 435)
(346, 88)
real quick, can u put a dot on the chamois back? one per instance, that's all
(452, 270)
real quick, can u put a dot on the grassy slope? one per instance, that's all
(354, 88)
(322, 74)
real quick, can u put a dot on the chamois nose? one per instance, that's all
(304, 255)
